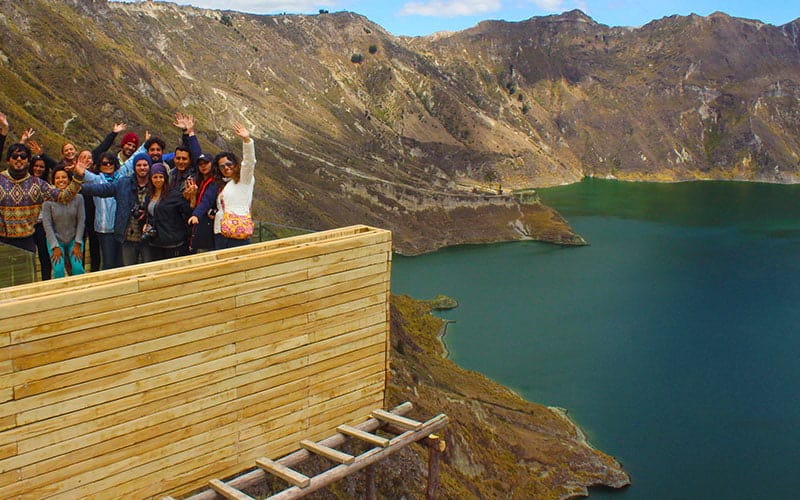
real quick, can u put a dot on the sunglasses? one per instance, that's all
(227, 164)
(105, 163)
(19, 156)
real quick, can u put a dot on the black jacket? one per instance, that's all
(169, 220)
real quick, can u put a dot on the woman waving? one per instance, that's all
(233, 224)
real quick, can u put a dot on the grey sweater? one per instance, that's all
(62, 222)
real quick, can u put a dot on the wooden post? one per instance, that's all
(371, 493)
(436, 446)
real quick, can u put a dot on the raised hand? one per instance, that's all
(119, 127)
(241, 131)
(82, 164)
(189, 122)
(189, 189)
(3, 124)
(35, 147)
(27, 134)
(180, 121)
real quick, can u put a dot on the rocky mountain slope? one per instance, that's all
(680, 98)
(425, 136)
(499, 445)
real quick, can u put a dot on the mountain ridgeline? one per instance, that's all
(427, 136)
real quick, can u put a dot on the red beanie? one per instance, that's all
(130, 137)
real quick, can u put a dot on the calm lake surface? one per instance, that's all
(672, 339)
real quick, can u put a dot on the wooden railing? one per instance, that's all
(16, 266)
(152, 379)
(20, 267)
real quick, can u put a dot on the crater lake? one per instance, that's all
(671, 339)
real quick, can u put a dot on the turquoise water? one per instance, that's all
(672, 339)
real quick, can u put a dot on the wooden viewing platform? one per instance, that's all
(154, 379)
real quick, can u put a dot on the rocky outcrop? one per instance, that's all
(499, 445)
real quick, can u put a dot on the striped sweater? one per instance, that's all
(21, 201)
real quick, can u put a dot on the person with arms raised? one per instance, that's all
(3, 130)
(235, 182)
(203, 200)
(128, 144)
(130, 193)
(40, 166)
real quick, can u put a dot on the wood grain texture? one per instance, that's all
(152, 380)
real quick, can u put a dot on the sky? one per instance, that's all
(423, 17)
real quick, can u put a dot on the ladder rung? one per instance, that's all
(363, 435)
(399, 421)
(283, 472)
(228, 491)
(321, 449)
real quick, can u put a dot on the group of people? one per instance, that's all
(139, 204)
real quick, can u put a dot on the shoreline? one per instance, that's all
(559, 412)
(440, 337)
(530, 189)
(533, 448)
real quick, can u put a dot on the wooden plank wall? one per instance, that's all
(152, 379)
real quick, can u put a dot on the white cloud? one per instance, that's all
(450, 8)
(550, 5)
(557, 6)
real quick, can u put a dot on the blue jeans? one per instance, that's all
(110, 250)
(76, 265)
(221, 242)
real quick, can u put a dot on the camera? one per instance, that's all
(149, 234)
(137, 212)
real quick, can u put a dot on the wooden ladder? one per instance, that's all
(407, 431)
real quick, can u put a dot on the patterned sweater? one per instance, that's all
(21, 201)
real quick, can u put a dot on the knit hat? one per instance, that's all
(142, 156)
(158, 168)
(130, 137)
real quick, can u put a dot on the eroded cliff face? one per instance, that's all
(499, 445)
(680, 98)
(421, 130)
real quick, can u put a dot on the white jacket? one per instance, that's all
(238, 196)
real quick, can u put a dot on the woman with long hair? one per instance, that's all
(40, 166)
(203, 199)
(63, 226)
(235, 181)
(165, 233)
